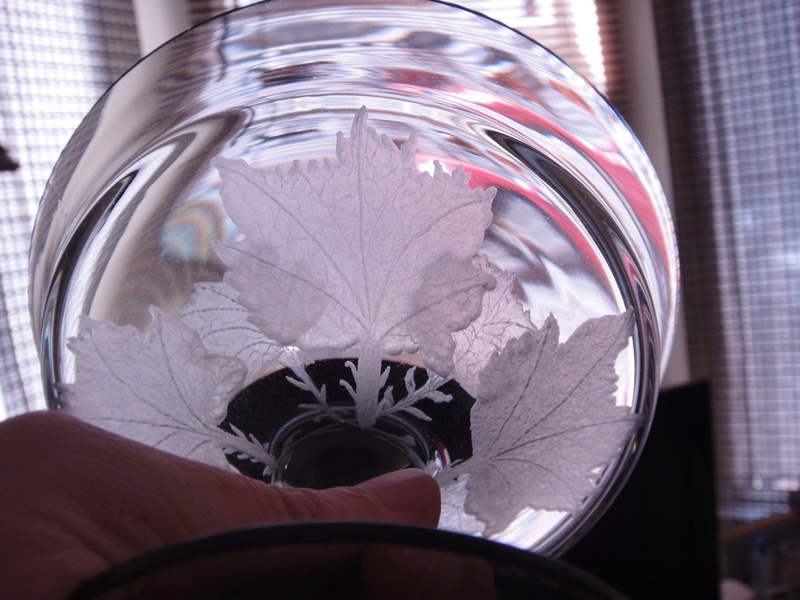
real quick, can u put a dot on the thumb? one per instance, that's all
(81, 499)
(409, 496)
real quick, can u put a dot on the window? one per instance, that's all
(731, 73)
(56, 59)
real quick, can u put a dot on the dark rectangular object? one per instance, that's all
(659, 538)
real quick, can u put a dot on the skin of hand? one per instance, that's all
(75, 500)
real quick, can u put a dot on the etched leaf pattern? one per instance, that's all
(455, 288)
(224, 328)
(453, 516)
(334, 251)
(363, 252)
(358, 257)
(545, 420)
(159, 387)
(502, 318)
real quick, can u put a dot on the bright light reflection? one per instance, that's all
(531, 527)
(587, 36)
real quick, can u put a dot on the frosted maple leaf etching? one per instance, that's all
(502, 319)
(159, 387)
(362, 255)
(225, 329)
(545, 420)
(359, 258)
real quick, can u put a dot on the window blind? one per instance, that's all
(55, 61)
(731, 79)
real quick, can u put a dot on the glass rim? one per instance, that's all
(561, 574)
(44, 266)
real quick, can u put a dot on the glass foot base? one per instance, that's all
(312, 455)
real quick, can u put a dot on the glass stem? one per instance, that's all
(368, 383)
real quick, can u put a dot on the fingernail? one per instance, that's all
(405, 491)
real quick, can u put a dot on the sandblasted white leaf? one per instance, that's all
(224, 328)
(453, 517)
(335, 252)
(159, 387)
(448, 300)
(545, 420)
(502, 318)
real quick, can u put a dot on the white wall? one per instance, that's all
(158, 21)
(646, 118)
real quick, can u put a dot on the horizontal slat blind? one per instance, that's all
(55, 61)
(731, 73)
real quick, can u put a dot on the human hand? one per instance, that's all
(76, 500)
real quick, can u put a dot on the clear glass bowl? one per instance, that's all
(579, 228)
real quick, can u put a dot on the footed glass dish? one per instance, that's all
(315, 241)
